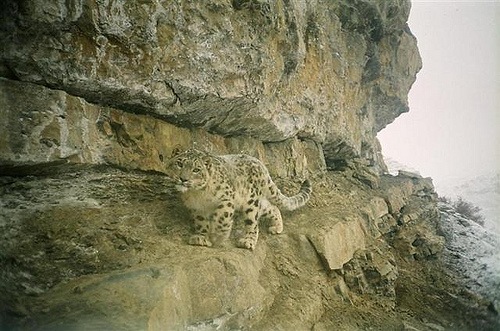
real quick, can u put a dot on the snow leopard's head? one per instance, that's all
(189, 169)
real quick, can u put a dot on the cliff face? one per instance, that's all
(334, 73)
(95, 95)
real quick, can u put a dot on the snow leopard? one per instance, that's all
(218, 188)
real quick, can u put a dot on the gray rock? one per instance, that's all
(336, 73)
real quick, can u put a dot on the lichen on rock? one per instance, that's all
(95, 95)
(271, 70)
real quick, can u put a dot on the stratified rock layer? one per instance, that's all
(44, 126)
(335, 72)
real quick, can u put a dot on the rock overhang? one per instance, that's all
(333, 73)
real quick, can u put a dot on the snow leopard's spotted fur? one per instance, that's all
(214, 188)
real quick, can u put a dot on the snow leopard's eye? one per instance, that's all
(179, 163)
(196, 170)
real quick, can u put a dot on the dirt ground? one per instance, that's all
(95, 246)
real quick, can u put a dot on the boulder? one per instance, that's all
(337, 243)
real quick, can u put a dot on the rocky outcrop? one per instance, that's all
(44, 126)
(106, 248)
(335, 73)
(95, 95)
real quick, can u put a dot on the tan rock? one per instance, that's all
(335, 73)
(337, 243)
(40, 125)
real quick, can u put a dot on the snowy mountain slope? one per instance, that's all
(472, 253)
(483, 191)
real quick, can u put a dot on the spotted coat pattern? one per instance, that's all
(217, 188)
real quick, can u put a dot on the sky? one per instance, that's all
(453, 127)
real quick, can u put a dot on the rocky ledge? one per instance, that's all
(95, 95)
(99, 247)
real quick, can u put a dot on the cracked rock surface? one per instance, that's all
(336, 73)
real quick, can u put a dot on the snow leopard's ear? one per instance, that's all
(207, 161)
(176, 151)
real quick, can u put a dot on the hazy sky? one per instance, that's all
(452, 129)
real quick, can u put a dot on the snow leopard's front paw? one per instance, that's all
(276, 229)
(248, 243)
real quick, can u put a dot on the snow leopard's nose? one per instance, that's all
(183, 180)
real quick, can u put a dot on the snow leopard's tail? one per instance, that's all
(290, 203)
